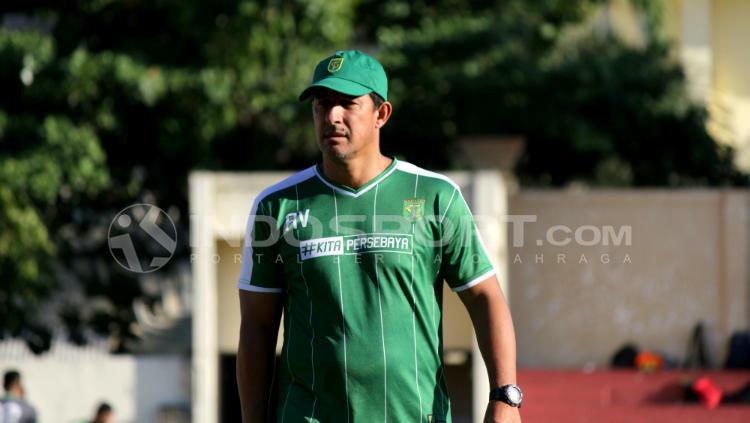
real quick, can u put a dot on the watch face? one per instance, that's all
(514, 394)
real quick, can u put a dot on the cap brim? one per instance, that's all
(344, 86)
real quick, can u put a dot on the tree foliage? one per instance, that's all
(592, 110)
(462, 68)
(110, 103)
(107, 103)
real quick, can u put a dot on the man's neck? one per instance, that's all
(355, 172)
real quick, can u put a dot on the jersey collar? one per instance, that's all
(352, 192)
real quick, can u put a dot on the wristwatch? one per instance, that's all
(509, 394)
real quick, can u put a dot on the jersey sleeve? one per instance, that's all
(465, 260)
(261, 272)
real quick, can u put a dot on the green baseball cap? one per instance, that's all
(349, 72)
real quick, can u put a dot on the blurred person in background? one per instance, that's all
(362, 336)
(104, 414)
(13, 406)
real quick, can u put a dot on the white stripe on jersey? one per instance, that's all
(288, 333)
(382, 328)
(312, 328)
(448, 206)
(410, 168)
(475, 281)
(414, 314)
(374, 208)
(245, 286)
(343, 319)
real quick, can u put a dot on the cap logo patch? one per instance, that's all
(335, 64)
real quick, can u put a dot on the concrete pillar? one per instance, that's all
(205, 369)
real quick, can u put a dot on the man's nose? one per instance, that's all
(334, 114)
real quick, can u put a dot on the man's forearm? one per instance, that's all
(255, 367)
(497, 342)
(493, 325)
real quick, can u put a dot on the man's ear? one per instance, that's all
(384, 113)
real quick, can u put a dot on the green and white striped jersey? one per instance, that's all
(362, 270)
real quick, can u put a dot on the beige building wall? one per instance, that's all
(710, 39)
(731, 78)
(576, 304)
(68, 383)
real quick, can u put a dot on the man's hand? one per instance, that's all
(500, 412)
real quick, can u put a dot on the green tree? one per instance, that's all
(462, 67)
(109, 103)
(608, 114)
(593, 110)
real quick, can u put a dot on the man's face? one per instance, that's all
(106, 417)
(344, 125)
(17, 388)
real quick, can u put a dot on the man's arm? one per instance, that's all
(493, 325)
(259, 328)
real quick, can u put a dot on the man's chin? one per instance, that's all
(343, 155)
(339, 154)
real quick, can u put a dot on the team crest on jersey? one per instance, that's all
(414, 209)
(335, 64)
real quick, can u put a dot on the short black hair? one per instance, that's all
(11, 378)
(377, 99)
(103, 408)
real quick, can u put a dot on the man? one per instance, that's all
(355, 251)
(104, 414)
(13, 406)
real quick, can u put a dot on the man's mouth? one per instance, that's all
(332, 133)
